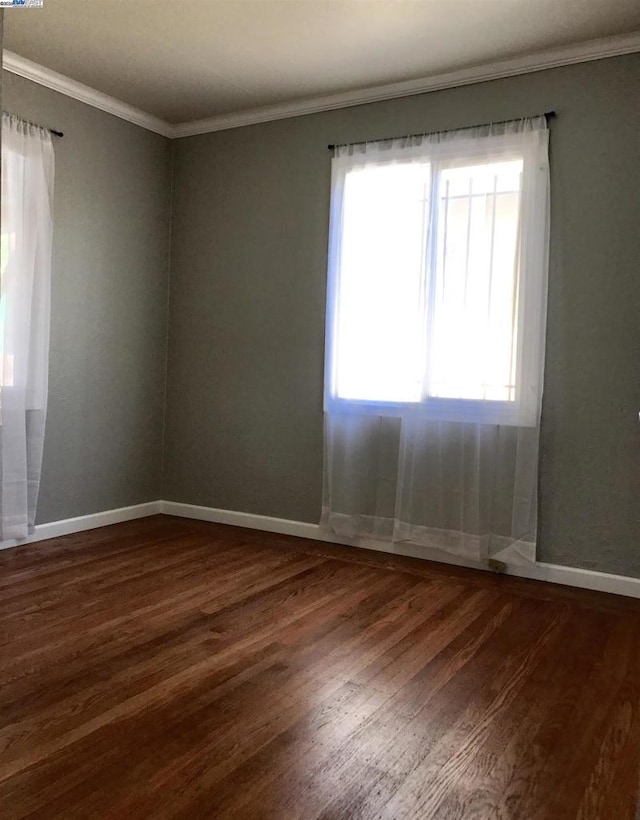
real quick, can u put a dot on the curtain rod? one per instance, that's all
(547, 115)
(37, 124)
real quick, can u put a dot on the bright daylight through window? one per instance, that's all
(427, 298)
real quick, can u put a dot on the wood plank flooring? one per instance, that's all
(174, 669)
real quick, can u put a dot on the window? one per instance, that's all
(436, 290)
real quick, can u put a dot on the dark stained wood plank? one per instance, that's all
(169, 668)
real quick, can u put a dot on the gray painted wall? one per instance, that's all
(103, 445)
(250, 220)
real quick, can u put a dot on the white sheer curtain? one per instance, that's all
(436, 313)
(27, 192)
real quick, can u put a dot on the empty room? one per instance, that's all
(320, 410)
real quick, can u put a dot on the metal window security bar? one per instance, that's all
(491, 194)
(548, 115)
(53, 131)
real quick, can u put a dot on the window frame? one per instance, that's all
(530, 282)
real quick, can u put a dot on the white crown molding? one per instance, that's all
(554, 58)
(540, 61)
(71, 88)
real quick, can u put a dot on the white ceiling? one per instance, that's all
(183, 61)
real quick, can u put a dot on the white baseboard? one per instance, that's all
(538, 571)
(85, 522)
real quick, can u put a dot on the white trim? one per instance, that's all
(283, 526)
(552, 573)
(78, 91)
(85, 522)
(540, 61)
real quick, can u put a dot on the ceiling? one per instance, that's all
(182, 61)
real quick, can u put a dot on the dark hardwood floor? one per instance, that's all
(173, 669)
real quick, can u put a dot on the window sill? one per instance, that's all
(463, 411)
